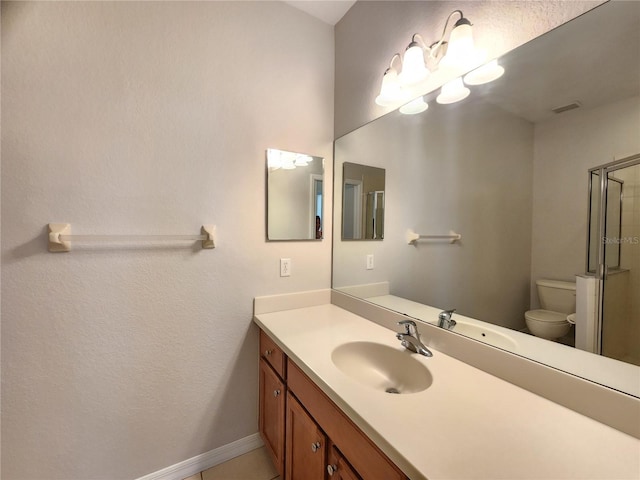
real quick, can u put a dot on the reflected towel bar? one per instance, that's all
(60, 237)
(413, 237)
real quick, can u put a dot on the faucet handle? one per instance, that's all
(408, 325)
(446, 314)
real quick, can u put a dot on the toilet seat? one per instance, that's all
(546, 316)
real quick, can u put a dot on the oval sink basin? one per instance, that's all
(486, 335)
(381, 367)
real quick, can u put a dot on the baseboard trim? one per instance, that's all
(209, 459)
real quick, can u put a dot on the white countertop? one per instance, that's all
(466, 425)
(600, 369)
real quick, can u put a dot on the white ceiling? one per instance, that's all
(592, 59)
(329, 11)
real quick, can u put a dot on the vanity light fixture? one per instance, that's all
(457, 55)
(414, 67)
(391, 91)
(417, 105)
(452, 92)
(461, 52)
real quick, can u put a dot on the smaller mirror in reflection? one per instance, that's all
(362, 202)
(294, 196)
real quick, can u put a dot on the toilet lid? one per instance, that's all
(546, 316)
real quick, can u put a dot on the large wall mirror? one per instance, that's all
(295, 184)
(509, 169)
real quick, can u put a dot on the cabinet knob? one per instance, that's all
(331, 469)
(315, 447)
(267, 352)
(276, 393)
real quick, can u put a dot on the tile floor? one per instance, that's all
(255, 465)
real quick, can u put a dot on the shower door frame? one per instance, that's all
(601, 268)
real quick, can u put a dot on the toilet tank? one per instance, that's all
(557, 296)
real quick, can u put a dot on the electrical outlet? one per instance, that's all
(285, 267)
(370, 262)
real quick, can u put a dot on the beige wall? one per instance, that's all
(566, 147)
(372, 31)
(479, 187)
(140, 118)
(153, 117)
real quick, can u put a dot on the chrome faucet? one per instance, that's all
(410, 338)
(445, 321)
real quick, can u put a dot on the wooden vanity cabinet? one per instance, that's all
(363, 455)
(307, 435)
(273, 354)
(338, 468)
(306, 449)
(273, 394)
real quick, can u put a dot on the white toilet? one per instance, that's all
(558, 300)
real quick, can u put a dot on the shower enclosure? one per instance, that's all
(613, 256)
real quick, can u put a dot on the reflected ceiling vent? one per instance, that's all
(564, 108)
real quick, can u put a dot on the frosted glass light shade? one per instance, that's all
(484, 74)
(461, 51)
(414, 69)
(391, 92)
(417, 105)
(452, 92)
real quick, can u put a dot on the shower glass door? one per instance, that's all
(619, 262)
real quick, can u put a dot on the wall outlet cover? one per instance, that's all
(285, 267)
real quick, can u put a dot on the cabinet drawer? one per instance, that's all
(273, 354)
(365, 457)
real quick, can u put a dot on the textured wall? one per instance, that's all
(372, 31)
(149, 117)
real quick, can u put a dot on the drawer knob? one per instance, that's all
(276, 393)
(315, 447)
(331, 469)
(268, 352)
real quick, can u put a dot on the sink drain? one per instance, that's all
(392, 390)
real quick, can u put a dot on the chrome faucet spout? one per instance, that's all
(410, 338)
(445, 321)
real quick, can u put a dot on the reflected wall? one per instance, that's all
(467, 168)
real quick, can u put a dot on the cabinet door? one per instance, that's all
(306, 444)
(338, 468)
(272, 414)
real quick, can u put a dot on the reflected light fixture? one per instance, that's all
(414, 67)
(277, 159)
(287, 161)
(302, 160)
(391, 91)
(452, 92)
(484, 74)
(417, 105)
